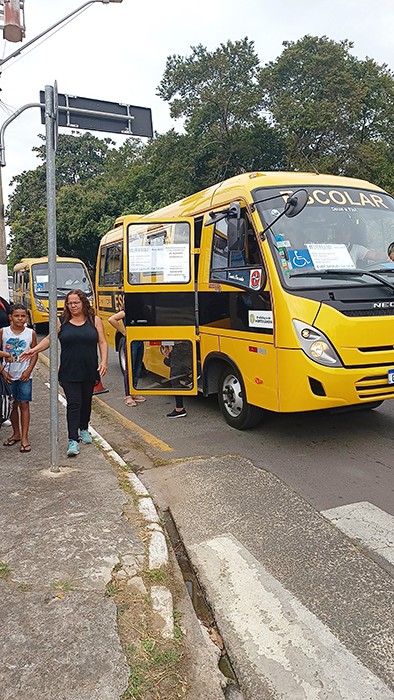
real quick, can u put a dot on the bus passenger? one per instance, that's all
(177, 356)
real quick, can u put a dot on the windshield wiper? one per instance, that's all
(344, 273)
(385, 270)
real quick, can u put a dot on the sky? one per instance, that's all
(118, 51)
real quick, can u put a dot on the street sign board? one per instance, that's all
(98, 115)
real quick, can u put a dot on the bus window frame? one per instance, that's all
(114, 278)
(162, 222)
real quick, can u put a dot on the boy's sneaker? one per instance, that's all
(6, 423)
(86, 437)
(73, 448)
(177, 414)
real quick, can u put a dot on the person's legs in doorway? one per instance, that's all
(179, 410)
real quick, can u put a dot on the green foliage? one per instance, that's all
(330, 107)
(5, 570)
(219, 96)
(79, 157)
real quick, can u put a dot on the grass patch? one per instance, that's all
(62, 585)
(110, 590)
(5, 570)
(156, 576)
(153, 662)
(178, 634)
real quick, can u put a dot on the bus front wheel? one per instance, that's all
(235, 409)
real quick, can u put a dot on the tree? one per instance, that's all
(329, 107)
(219, 97)
(79, 159)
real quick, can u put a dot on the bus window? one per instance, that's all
(159, 253)
(221, 258)
(111, 266)
(69, 275)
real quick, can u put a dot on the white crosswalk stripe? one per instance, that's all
(284, 642)
(369, 525)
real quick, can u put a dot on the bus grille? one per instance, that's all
(375, 388)
(368, 312)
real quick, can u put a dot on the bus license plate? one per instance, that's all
(391, 376)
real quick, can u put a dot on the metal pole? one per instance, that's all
(3, 248)
(50, 124)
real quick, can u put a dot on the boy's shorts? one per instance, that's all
(22, 391)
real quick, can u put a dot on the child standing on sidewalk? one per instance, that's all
(16, 339)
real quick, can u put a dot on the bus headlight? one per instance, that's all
(40, 306)
(315, 345)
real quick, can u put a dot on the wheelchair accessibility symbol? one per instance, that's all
(299, 258)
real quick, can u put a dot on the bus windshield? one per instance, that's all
(341, 230)
(70, 275)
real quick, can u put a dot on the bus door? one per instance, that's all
(161, 310)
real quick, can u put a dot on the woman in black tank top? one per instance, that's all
(80, 333)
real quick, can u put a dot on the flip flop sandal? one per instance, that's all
(139, 399)
(10, 442)
(25, 448)
(130, 402)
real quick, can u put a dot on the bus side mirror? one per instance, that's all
(296, 203)
(236, 234)
(236, 230)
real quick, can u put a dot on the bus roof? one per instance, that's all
(237, 187)
(28, 262)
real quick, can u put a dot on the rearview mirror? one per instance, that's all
(296, 203)
(236, 234)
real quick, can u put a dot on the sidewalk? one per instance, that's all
(61, 537)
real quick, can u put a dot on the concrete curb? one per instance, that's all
(161, 597)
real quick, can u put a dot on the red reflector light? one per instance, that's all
(155, 342)
(252, 348)
(257, 380)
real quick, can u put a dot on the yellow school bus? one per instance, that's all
(272, 289)
(30, 285)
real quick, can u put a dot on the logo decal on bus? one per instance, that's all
(255, 279)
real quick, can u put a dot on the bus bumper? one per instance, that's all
(305, 385)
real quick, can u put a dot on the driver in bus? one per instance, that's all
(347, 233)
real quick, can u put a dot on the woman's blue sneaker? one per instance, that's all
(73, 448)
(86, 437)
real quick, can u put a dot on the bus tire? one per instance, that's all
(231, 394)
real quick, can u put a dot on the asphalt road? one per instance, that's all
(329, 459)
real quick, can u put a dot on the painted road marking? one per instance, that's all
(152, 440)
(366, 523)
(284, 642)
